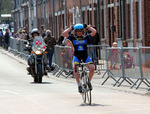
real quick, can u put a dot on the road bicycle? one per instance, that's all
(84, 80)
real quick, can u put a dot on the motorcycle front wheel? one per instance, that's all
(39, 73)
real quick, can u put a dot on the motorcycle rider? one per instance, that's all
(34, 33)
(79, 42)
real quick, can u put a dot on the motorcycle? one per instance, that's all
(38, 58)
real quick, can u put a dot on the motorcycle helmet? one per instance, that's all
(78, 26)
(35, 30)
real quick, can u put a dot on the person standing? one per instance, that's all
(44, 33)
(60, 40)
(50, 41)
(26, 33)
(114, 56)
(6, 39)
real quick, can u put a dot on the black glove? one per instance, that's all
(85, 25)
(72, 27)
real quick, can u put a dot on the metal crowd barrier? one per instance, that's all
(145, 66)
(98, 55)
(128, 63)
(63, 60)
(17, 47)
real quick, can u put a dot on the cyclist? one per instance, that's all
(79, 42)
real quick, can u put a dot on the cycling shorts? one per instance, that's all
(78, 60)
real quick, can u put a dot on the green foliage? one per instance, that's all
(5, 6)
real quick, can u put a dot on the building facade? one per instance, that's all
(115, 20)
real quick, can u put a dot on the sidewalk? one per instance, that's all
(97, 79)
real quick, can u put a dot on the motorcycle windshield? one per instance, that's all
(38, 44)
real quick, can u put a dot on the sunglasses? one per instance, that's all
(79, 30)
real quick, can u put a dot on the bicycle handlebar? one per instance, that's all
(81, 65)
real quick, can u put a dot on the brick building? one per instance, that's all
(116, 20)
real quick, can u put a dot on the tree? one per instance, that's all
(5, 7)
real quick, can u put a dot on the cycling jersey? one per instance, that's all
(80, 48)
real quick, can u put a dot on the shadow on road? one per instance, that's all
(41, 83)
(93, 104)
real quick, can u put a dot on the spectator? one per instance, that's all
(1, 32)
(69, 44)
(6, 39)
(128, 59)
(69, 57)
(60, 40)
(9, 27)
(16, 35)
(91, 50)
(50, 41)
(26, 34)
(96, 41)
(114, 56)
(1, 37)
(125, 44)
(44, 33)
(23, 35)
(20, 32)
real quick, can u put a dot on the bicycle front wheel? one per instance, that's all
(84, 97)
(88, 94)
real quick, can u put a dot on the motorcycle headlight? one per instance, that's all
(38, 52)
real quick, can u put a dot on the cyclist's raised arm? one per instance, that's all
(93, 31)
(66, 32)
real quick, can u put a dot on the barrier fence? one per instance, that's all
(126, 64)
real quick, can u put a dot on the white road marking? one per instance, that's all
(10, 92)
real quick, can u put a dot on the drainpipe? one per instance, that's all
(123, 21)
(65, 13)
(81, 12)
(53, 18)
(98, 18)
(120, 16)
(44, 3)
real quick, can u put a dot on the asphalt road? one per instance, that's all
(19, 95)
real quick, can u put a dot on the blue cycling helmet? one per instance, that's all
(78, 26)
